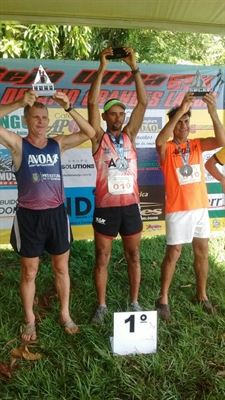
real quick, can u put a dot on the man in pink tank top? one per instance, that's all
(117, 194)
(187, 219)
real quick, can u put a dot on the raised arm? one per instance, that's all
(86, 131)
(137, 115)
(211, 143)
(9, 139)
(94, 92)
(210, 165)
(167, 131)
(28, 98)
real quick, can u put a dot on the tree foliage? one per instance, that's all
(85, 43)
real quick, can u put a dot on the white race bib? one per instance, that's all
(120, 184)
(194, 177)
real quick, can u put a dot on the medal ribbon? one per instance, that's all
(118, 145)
(185, 157)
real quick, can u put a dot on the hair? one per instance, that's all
(174, 110)
(36, 104)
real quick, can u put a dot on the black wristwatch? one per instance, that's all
(135, 71)
(69, 108)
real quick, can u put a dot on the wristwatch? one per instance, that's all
(69, 108)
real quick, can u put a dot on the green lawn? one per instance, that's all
(190, 360)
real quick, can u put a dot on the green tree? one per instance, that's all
(85, 43)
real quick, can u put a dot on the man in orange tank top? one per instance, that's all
(117, 195)
(187, 219)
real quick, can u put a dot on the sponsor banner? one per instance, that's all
(14, 122)
(216, 200)
(149, 171)
(82, 232)
(4, 235)
(61, 123)
(78, 168)
(152, 202)
(80, 205)
(165, 85)
(152, 124)
(153, 228)
(217, 224)
(201, 124)
(8, 199)
(7, 178)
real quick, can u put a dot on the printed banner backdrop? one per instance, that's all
(165, 85)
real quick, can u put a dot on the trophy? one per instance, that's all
(42, 84)
(198, 86)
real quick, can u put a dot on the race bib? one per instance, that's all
(120, 184)
(194, 177)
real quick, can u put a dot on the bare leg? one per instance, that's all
(62, 282)
(27, 291)
(167, 270)
(131, 251)
(103, 248)
(200, 248)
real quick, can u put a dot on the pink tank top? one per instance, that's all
(116, 182)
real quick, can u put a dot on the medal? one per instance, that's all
(122, 164)
(186, 170)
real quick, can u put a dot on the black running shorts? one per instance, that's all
(34, 231)
(109, 221)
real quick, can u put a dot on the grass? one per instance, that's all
(190, 360)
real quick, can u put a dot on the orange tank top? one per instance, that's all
(116, 185)
(184, 193)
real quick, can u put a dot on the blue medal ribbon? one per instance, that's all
(121, 164)
(185, 157)
(118, 145)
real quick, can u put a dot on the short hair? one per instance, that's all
(36, 104)
(174, 110)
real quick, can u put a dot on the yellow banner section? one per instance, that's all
(217, 224)
(4, 236)
(82, 232)
(62, 123)
(85, 232)
(201, 123)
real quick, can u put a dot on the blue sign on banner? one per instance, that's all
(80, 205)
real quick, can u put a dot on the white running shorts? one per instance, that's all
(183, 226)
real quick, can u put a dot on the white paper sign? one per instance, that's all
(135, 332)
